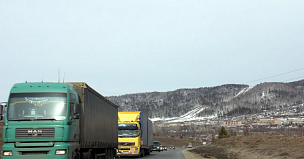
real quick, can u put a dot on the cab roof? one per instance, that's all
(40, 87)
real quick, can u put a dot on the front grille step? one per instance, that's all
(33, 152)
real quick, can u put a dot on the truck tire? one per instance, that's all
(84, 155)
(143, 152)
(110, 154)
(87, 155)
(107, 154)
(76, 155)
(147, 151)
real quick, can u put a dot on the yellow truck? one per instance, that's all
(135, 134)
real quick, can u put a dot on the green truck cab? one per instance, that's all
(50, 120)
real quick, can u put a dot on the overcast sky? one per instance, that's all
(123, 47)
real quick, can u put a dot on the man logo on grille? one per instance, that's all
(34, 132)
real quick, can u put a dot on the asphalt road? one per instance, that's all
(170, 154)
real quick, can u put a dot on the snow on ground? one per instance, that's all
(189, 116)
(193, 114)
(241, 92)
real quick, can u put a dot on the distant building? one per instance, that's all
(269, 121)
(232, 123)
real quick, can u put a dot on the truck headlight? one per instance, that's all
(60, 152)
(7, 153)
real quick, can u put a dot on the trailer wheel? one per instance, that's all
(87, 155)
(109, 154)
(147, 151)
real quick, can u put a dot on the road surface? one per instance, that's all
(170, 154)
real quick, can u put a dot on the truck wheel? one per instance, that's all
(147, 151)
(87, 155)
(142, 152)
(76, 155)
(112, 154)
(107, 154)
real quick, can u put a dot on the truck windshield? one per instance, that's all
(127, 130)
(37, 106)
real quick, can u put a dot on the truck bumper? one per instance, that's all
(126, 155)
(127, 152)
(32, 152)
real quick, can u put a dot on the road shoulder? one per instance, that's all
(190, 155)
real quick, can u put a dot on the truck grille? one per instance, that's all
(33, 152)
(34, 133)
(126, 144)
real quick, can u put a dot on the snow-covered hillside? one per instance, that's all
(189, 116)
(205, 102)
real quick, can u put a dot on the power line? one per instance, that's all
(276, 75)
(293, 79)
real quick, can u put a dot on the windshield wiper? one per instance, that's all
(32, 119)
(45, 119)
(21, 120)
(123, 136)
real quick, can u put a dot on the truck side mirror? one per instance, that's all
(2, 111)
(3, 106)
(76, 116)
(75, 112)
